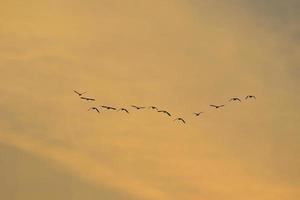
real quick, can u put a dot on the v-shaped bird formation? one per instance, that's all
(167, 113)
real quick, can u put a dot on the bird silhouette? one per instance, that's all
(124, 109)
(94, 108)
(235, 99)
(250, 97)
(180, 119)
(88, 99)
(109, 107)
(197, 114)
(216, 106)
(164, 111)
(79, 94)
(153, 107)
(138, 107)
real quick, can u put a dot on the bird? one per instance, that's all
(180, 119)
(164, 111)
(109, 107)
(124, 109)
(235, 99)
(197, 114)
(153, 107)
(94, 108)
(138, 107)
(79, 94)
(88, 99)
(250, 97)
(215, 106)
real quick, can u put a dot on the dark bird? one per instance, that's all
(124, 109)
(137, 107)
(164, 111)
(88, 99)
(94, 108)
(235, 99)
(79, 94)
(197, 114)
(179, 119)
(153, 107)
(109, 107)
(250, 97)
(215, 106)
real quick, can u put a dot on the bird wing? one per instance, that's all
(179, 119)
(214, 106)
(76, 92)
(164, 111)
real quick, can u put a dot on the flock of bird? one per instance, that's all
(97, 109)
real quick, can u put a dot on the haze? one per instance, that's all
(178, 55)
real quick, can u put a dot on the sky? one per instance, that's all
(179, 55)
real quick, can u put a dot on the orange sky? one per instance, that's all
(178, 55)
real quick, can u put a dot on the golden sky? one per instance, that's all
(179, 55)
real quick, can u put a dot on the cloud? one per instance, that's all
(84, 166)
(180, 56)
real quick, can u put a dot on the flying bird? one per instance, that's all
(216, 106)
(109, 107)
(88, 99)
(235, 99)
(124, 109)
(197, 114)
(79, 94)
(94, 108)
(138, 107)
(153, 107)
(180, 119)
(164, 111)
(250, 97)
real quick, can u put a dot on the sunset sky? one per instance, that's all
(179, 55)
